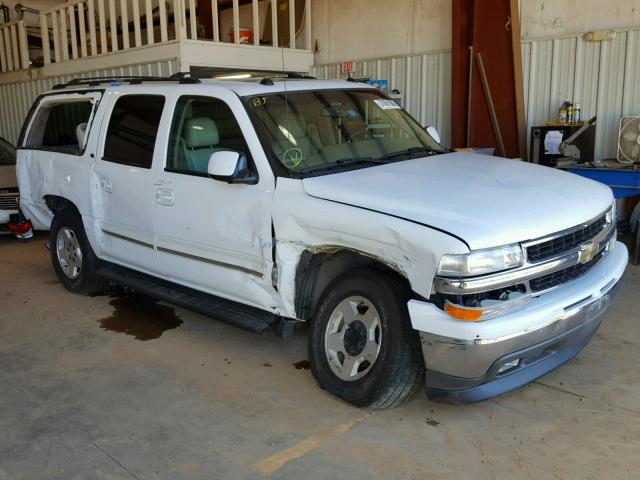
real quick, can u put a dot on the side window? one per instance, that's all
(200, 127)
(61, 125)
(132, 131)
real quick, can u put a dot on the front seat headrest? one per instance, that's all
(81, 133)
(200, 132)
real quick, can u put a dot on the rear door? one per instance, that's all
(123, 182)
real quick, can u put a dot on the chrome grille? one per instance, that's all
(556, 279)
(9, 202)
(565, 242)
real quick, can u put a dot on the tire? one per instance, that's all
(390, 367)
(72, 257)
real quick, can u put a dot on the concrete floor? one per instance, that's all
(206, 400)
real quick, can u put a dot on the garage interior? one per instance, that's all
(119, 385)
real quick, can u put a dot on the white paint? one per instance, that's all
(361, 29)
(479, 198)
(552, 18)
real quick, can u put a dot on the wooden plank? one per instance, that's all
(113, 25)
(148, 13)
(64, 38)
(44, 34)
(137, 32)
(14, 47)
(518, 78)
(193, 20)
(82, 30)
(274, 23)
(236, 22)
(57, 54)
(490, 104)
(214, 19)
(307, 21)
(164, 36)
(124, 17)
(178, 16)
(72, 31)
(7, 44)
(102, 21)
(24, 45)
(256, 23)
(91, 14)
(3, 55)
(292, 23)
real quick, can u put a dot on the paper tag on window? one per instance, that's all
(386, 104)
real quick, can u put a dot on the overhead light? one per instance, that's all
(235, 76)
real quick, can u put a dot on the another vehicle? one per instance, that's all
(11, 220)
(276, 201)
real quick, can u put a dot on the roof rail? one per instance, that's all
(130, 79)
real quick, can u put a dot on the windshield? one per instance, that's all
(7, 153)
(316, 132)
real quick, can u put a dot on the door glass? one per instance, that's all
(200, 127)
(131, 136)
(61, 126)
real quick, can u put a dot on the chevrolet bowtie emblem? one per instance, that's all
(586, 252)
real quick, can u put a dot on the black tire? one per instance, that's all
(398, 370)
(86, 281)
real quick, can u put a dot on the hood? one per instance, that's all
(486, 201)
(8, 176)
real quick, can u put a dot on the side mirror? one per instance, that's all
(231, 167)
(433, 133)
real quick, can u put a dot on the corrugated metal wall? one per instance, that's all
(16, 98)
(424, 80)
(603, 76)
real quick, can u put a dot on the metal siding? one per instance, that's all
(424, 81)
(604, 77)
(16, 98)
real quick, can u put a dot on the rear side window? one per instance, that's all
(133, 128)
(61, 126)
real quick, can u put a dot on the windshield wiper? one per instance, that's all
(408, 151)
(343, 162)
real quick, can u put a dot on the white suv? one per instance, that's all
(269, 202)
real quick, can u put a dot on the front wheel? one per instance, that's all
(362, 347)
(72, 257)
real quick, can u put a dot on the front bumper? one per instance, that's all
(468, 361)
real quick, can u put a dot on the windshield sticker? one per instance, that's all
(386, 104)
(259, 101)
(292, 157)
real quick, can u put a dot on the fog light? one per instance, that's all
(509, 365)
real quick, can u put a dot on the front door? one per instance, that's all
(212, 235)
(123, 182)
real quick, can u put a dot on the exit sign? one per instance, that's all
(347, 67)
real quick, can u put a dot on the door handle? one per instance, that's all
(105, 184)
(164, 196)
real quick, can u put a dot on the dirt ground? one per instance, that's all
(120, 387)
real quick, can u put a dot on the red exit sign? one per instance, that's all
(347, 67)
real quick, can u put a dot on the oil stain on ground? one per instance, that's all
(302, 365)
(140, 316)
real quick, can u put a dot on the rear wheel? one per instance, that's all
(71, 254)
(362, 347)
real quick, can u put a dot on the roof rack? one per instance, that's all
(180, 77)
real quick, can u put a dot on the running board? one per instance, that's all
(237, 314)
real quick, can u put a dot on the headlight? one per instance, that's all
(480, 262)
(610, 216)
